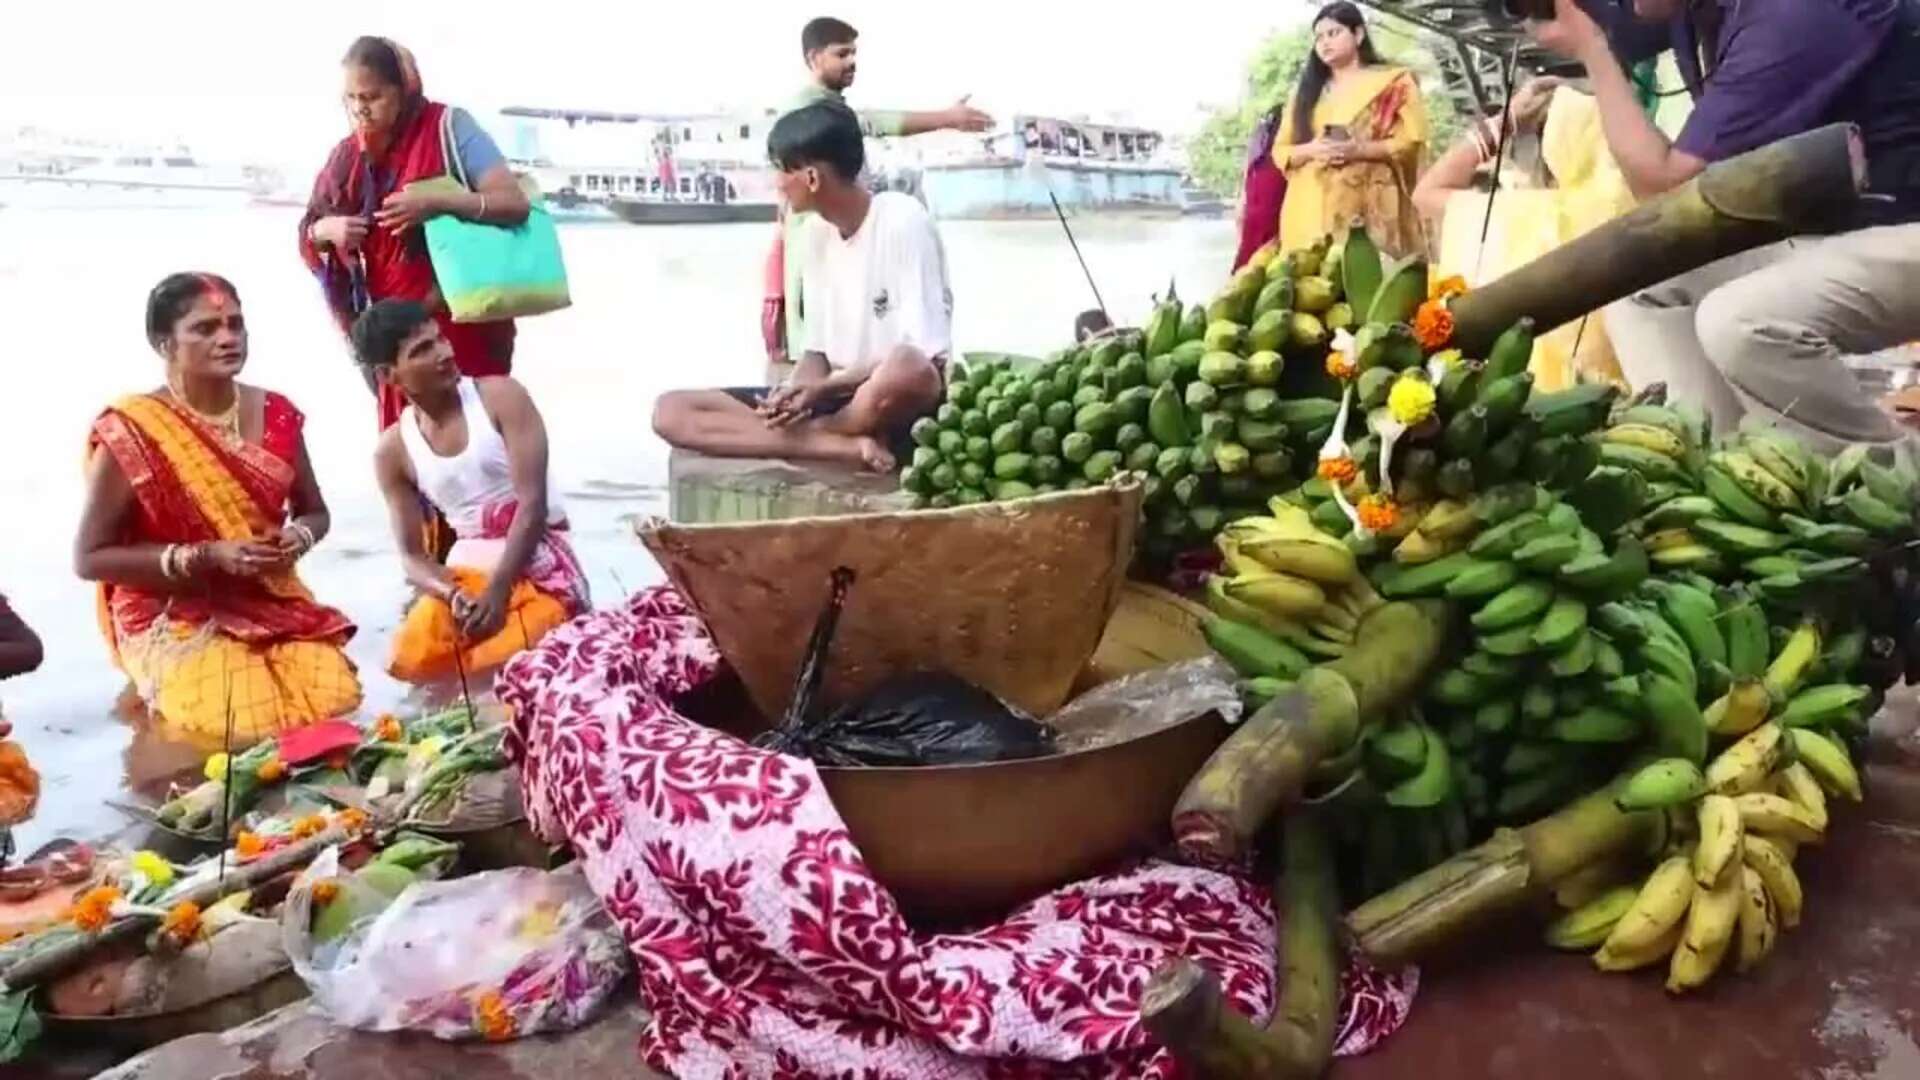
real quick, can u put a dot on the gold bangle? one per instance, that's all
(167, 560)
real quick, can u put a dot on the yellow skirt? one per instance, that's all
(193, 679)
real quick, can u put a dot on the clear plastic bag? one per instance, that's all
(493, 956)
(1146, 702)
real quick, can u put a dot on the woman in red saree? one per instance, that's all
(361, 233)
(200, 499)
(1263, 191)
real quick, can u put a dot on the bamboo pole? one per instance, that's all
(1803, 184)
(1265, 764)
(37, 967)
(1448, 902)
(1184, 1008)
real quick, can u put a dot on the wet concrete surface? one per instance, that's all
(1839, 1000)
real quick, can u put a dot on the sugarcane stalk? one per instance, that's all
(1803, 184)
(1447, 903)
(1266, 763)
(57, 959)
(1184, 1008)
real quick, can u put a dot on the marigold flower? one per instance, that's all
(248, 844)
(95, 909)
(1340, 366)
(311, 825)
(1449, 286)
(155, 869)
(1340, 469)
(491, 1018)
(182, 923)
(352, 819)
(1378, 513)
(271, 771)
(1411, 400)
(1433, 325)
(325, 891)
(216, 767)
(387, 729)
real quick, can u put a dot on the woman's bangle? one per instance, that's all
(482, 215)
(307, 539)
(169, 558)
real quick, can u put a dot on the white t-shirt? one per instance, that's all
(883, 287)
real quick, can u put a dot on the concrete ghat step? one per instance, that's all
(707, 490)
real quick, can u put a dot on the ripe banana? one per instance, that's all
(1772, 814)
(1775, 868)
(1660, 784)
(1610, 958)
(1798, 785)
(1658, 908)
(1711, 919)
(1741, 709)
(1720, 837)
(1780, 456)
(1647, 437)
(1793, 661)
(1757, 482)
(1658, 416)
(1281, 594)
(1827, 760)
(1747, 764)
(1759, 924)
(1328, 564)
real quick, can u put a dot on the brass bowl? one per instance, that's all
(963, 844)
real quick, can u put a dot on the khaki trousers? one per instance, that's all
(1766, 332)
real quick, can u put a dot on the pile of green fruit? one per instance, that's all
(1219, 407)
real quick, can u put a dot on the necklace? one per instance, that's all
(226, 420)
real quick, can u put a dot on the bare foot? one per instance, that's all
(874, 456)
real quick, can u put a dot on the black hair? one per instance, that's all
(176, 293)
(823, 133)
(825, 32)
(1090, 322)
(377, 55)
(380, 329)
(1313, 77)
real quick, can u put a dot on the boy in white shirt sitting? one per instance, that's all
(878, 325)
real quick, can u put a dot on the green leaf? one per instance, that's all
(19, 1024)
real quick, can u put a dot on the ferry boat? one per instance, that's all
(1088, 167)
(46, 170)
(645, 169)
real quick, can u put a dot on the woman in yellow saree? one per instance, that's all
(1351, 140)
(187, 530)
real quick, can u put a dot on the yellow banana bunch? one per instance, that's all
(1658, 908)
(1748, 764)
(1721, 833)
(1759, 921)
(1646, 437)
(1774, 815)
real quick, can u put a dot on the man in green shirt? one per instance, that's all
(831, 49)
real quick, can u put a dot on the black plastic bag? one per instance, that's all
(928, 718)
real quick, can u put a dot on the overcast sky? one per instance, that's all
(260, 79)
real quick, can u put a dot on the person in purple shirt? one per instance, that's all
(1769, 331)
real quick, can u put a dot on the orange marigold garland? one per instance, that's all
(491, 1018)
(351, 819)
(182, 923)
(1433, 325)
(248, 844)
(1340, 367)
(311, 825)
(271, 771)
(95, 909)
(324, 891)
(388, 729)
(1378, 513)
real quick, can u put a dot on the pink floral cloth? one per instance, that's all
(765, 947)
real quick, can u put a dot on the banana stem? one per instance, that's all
(1797, 185)
(1265, 765)
(1443, 906)
(1185, 1010)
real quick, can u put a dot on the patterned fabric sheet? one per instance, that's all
(765, 947)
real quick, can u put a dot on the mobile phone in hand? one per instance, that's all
(1337, 133)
